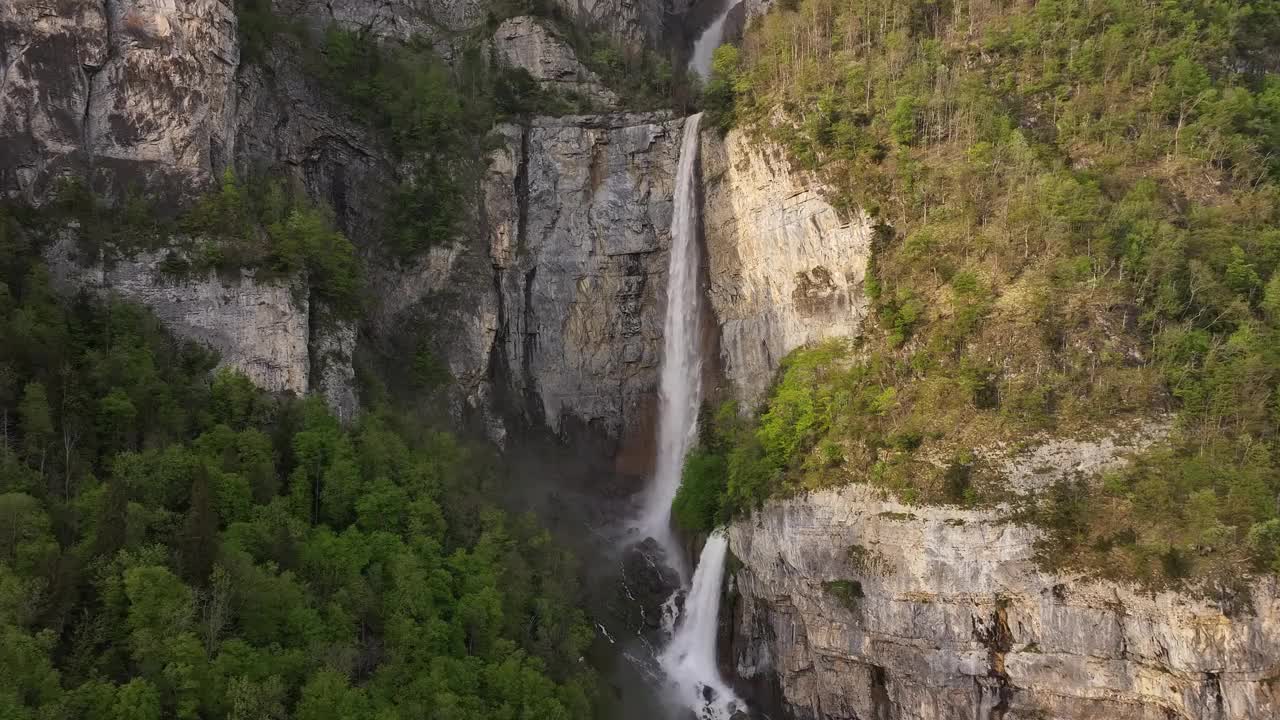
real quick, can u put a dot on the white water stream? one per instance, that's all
(708, 41)
(680, 382)
(689, 661)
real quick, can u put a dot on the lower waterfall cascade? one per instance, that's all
(689, 660)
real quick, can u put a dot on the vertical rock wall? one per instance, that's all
(579, 246)
(864, 607)
(120, 91)
(785, 269)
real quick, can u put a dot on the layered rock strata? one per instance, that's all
(865, 607)
(785, 268)
(579, 215)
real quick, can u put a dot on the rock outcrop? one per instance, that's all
(635, 23)
(579, 226)
(785, 269)
(868, 608)
(121, 92)
(331, 347)
(154, 97)
(526, 43)
(261, 328)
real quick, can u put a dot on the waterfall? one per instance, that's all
(680, 382)
(690, 660)
(708, 41)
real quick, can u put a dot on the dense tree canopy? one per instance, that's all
(175, 543)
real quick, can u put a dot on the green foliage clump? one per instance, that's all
(848, 592)
(428, 371)
(432, 119)
(699, 504)
(720, 91)
(175, 546)
(262, 225)
(257, 25)
(104, 229)
(643, 79)
(1078, 225)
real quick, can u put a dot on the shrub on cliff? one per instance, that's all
(698, 502)
(262, 225)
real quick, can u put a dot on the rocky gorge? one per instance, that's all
(548, 313)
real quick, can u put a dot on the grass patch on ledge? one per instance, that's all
(848, 592)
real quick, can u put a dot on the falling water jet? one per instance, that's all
(705, 46)
(689, 661)
(680, 381)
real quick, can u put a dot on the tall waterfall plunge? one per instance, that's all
(680, 382)
(689, 661)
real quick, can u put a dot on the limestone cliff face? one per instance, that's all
(525, 42)
(580, 215)
(121, 91)
(952, 618)
(154, 96)
(633, 22)
(785, 270)
(258, 327)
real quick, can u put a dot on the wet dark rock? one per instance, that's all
(647, 583)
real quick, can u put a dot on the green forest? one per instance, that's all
(1076, 216)
(177, 544)
(1077, 226)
